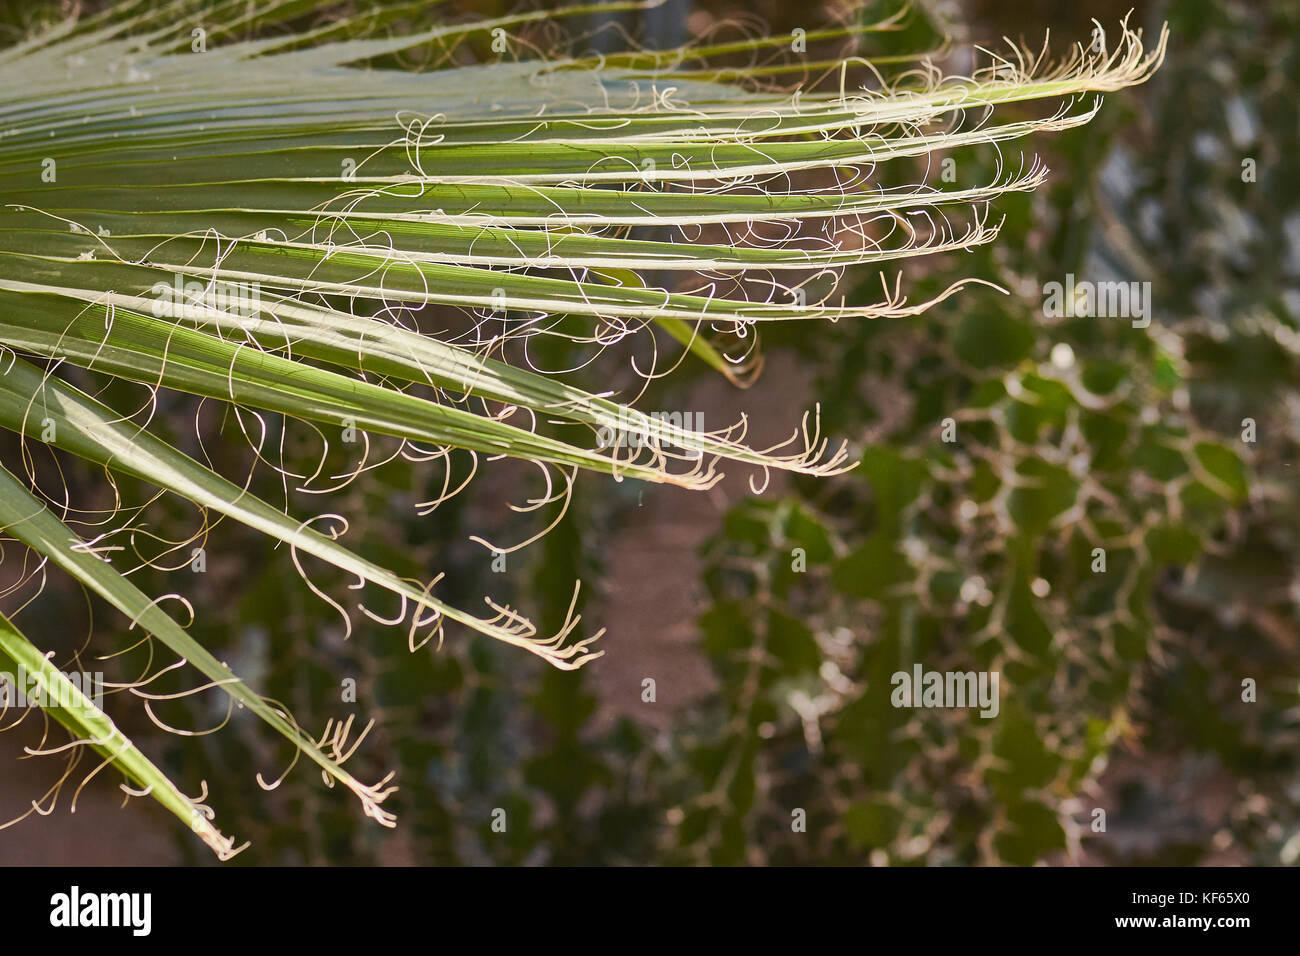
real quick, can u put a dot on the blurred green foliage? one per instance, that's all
(1071, 435)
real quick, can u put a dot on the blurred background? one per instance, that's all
(1121, 691)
